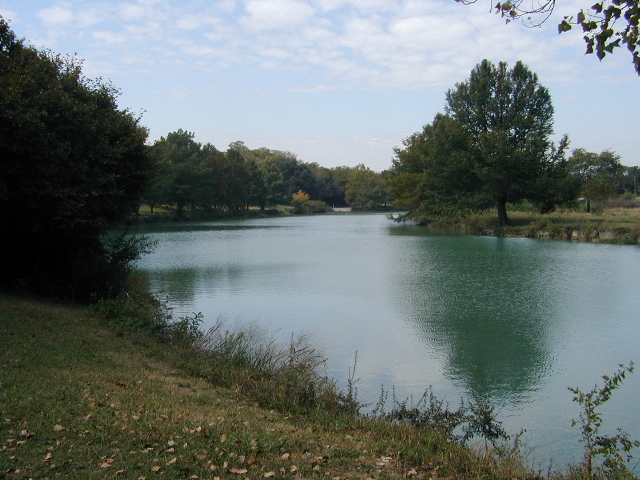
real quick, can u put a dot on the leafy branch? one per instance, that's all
(601, 34)
(615, 450)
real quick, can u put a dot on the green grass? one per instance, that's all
(612, 225)
(79, 399)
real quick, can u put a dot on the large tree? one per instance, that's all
(71, 163)
(491, 148)
(607, 24)
(508, 117)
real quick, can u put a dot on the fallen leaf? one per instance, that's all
(238, 471)
(172, 461)
(105, 465)
(269, 475)
(156, 468)
(286, 456)
(294, 468)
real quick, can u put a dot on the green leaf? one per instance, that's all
(564, 26)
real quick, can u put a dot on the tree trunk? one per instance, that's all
(503, 220)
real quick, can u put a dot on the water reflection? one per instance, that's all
(484, 303)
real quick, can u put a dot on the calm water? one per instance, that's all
(521, 319)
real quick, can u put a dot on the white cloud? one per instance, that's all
(110, 38)
(277, 14)
(362, 6)
(57, 15)
(9, 14)
(376, 44)
(130, 11)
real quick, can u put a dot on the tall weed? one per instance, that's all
(471, 419)
(278, 375)
(604, 456)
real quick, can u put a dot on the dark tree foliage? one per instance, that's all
(598, 175)
(607, 24)
(433, 175)
(71, 163)
(366, 189)
(491, 148)
(630, 181)
(508, 117)
(214, 183)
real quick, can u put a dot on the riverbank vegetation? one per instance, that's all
(492, 150)
(611, 224)
(124, 391)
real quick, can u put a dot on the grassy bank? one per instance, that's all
(80, 400)
(83, 400)
(611, 225)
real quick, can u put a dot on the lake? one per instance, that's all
(517, 319)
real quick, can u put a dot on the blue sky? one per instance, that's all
(338, 82)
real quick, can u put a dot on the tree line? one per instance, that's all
(207, 181)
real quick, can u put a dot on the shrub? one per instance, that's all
(604, 456)
(475, 418)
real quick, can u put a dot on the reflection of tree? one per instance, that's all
(483, 303)
(176, 284)
(182, 285)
